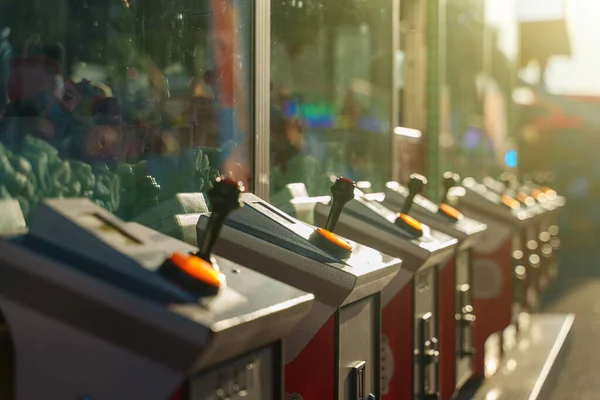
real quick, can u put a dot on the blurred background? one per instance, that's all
(370, 89)
(128, 102)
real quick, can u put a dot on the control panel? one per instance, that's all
(162, 312)
(334, 353)
(442, 216)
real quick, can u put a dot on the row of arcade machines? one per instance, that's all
(360, 296)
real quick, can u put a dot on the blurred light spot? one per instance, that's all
(547, 250)
(493, 394)
(517, 254)
(534, 259)
(511, 365)
(511, 159)
(407, 132)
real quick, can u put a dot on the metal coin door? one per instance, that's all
(103, 309)
(499, 275)
(457, 318)
(410, 302)
(334, 352)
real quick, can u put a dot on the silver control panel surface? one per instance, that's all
(88, 280)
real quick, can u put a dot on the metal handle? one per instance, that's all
(427, 355)
(519, 278)
(465, 321)
(358, 374)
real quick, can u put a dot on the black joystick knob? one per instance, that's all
(450, 180)
(342, 191)
(416, 185)
(508, 180)
(224, 198)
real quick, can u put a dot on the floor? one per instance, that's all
(579, 376)
(577, 291)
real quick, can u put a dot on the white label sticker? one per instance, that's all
(68, 95)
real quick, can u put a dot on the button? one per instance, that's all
(409, 224)
(550, 194)
(510, 202)
(333, 238)
(331, 243)
(450, 212)
(526, 199)
(539, 195)
(192, 273)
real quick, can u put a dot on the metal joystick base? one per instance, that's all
(331, 243)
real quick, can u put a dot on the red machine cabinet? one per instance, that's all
(410, 303)
(501, 286)
(456, 308)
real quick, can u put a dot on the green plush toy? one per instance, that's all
(33, 171)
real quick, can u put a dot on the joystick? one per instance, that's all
(342, 191)
(416, 185)
(508, 180)
(224, 198)
(406, 222)
(450, 180)
(198, 273)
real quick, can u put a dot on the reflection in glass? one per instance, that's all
(125, 102)
(331, 72)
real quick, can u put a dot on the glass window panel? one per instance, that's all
(97, 96)
(331, 72)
